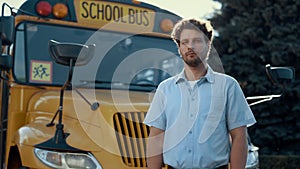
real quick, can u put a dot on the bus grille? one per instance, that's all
(131, 135)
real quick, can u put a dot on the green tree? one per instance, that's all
(251, 34)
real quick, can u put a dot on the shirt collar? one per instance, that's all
(209, 76)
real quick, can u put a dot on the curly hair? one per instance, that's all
(192, 23)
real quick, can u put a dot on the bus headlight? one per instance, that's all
(67, 160)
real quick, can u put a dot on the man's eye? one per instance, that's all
(197, 41)
(184, 42)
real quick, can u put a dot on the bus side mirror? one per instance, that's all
(5, 62)
(7, 28)
(280, 75)
(64, 53)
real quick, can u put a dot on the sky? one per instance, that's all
(184, 8)
(187, 8)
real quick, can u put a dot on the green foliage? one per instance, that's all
(251, 34)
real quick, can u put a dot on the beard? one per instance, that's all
(193, 62)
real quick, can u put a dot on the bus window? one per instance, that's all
(119, 57)
(34, 39)
(19, 68)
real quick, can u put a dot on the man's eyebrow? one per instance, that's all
(187, 39)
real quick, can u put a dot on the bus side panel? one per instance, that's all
(18, 101)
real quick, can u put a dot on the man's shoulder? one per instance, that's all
(169, 81)
(229, 79)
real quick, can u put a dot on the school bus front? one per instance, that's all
(97, 121)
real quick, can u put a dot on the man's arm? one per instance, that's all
(155, 148)
(239, 149)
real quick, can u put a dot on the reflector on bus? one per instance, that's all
(43, 8)
(166, 25)
(60, 10)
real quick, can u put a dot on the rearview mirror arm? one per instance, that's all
(61, 99)
(266, 98)
(59, 139)
(262, 98)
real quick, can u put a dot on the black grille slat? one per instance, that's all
(141, 139)
(131, 135)
(128, 142)
(119, 132)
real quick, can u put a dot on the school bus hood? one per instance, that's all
(89, 130)
(116, 100)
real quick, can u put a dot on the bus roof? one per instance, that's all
(127, 14)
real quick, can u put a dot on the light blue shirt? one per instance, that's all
(197, 120)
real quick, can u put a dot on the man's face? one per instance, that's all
(193, 47)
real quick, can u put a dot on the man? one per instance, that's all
(197, 118)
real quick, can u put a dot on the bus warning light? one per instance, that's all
(60, 10)
(136, 2)
(43, 8)
(166, 25)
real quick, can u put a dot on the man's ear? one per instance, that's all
(179, 51)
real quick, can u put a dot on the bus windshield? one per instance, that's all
(139, 61)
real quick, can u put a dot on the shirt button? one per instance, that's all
(189, 150)
(192, 115)
(190, 132)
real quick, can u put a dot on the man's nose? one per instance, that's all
(190, 45)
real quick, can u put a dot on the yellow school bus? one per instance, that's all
(62, 110)
(77, 78)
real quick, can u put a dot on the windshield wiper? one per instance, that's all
(117, 83)
(101, 82)
(143, 84)
(94, 81)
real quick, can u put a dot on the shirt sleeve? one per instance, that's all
(238, 111)
(155, 116)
